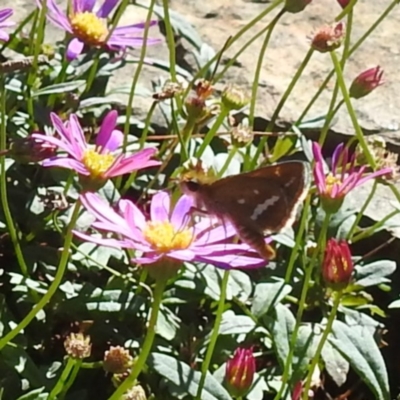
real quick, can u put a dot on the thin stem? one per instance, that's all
(137, 73)
(321, 343)
(280, 105)
(170, 40)
(211, 133)
(3, 184)
(299, 240)
(259, 65)
(362, 210)
(350, 110)
(332, 109)
(60, 78)
(54, 285)
(147, 344)
(62, 379)
(228, 160)
(302, 304)
(92, 73)
(214, 336)
(71, 379)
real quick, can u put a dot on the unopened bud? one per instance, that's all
(77, 345)
(328, 38)
(117, 360)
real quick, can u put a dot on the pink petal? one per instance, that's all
(105, 138)
(180, 215)
(75, 47)
(132, 214)
(160, 207)
(68, 163)
(106, 8)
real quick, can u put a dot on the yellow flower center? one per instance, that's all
(89, 28)
(97, 163)
(330, 182)
(163, 236)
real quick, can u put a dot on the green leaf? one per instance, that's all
(59, 88)
(233, 324)
(359, 348)
(282, 329)
(185, 379)
(267, 295)
(335, 364)
(374, 273)
(36, 394)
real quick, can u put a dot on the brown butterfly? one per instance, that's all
(257, 203)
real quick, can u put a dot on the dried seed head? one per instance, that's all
(136, 393)
(117, 360)
(78, 346)
(242, 136)
(328, 38)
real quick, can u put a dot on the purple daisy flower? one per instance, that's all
(168, 233)
(343, 178)
(4, 14)
(91, 27)
(97, 162)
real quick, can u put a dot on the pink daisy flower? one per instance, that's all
(91, 27)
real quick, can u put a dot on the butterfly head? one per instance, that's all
(195, 177)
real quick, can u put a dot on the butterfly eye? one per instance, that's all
(192, 186)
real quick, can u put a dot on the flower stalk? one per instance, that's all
(147, 344)
(214, 336)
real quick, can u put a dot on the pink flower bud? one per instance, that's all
(240, 371)
(328, 38)
(366, 82)
(337, 266)
(343, 3)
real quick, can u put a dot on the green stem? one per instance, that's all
(62, 379)
(37, 49)
(302, 304)
(137, 73)
(321, 344)
(332, 109)
(54, 285)
(71, 379)
(299, 240)
(350, 110)
(211, 133)
(60, 78)
(360, 214)
(214, 336)
(92, 73)
(228, 160)
(3, 185)
(280, 105)
(257, 73)
(170, 40)
(147, 344)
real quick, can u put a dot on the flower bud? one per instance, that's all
(117, 360)
(242, 136)
(366, 82)
(240, 371)
(27, 150)
(78, 346)
(295, 6)
(136, 393)
(233, 98)
(328, 38)
(337, 266)
(343, 3)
